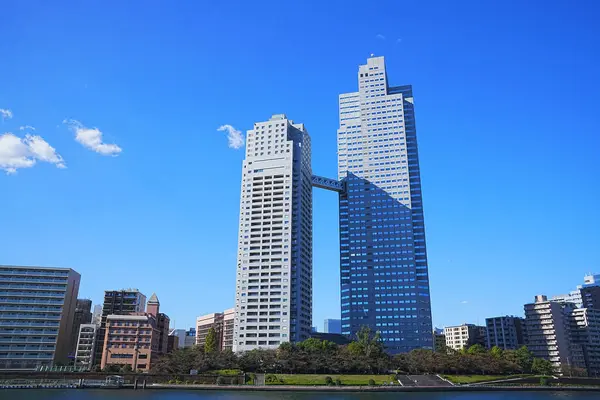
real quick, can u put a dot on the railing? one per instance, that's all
(328, 183)
(31, 301)
(32, 324)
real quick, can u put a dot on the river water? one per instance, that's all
(87, 394)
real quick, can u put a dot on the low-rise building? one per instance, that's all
(86, 342)
(332, 326)
(130, 340)
(222, 323)
(465, 335)
(506, 332)
(136, 339)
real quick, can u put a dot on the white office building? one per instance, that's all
(273, 301)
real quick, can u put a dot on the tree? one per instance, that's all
(542, 366)
(210, 344)
(476, 349)
(496, 352)
(524, 358)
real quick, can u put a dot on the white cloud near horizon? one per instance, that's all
(380, 36)
(6, 113)
(27, 127)
(18, 153)
(91, 138)
(235, 138)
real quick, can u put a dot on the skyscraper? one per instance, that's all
(384, 272)
(274, 267)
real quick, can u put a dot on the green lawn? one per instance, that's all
(319, 379)
(462, 379)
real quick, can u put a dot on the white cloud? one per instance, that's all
(5, 113)
(26, 127)
(464, 302)
(92, 138)
(380, 36)
(234, 137)
(18, 153)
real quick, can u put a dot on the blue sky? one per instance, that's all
(507, 121)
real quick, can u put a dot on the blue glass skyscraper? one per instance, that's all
(384, 272)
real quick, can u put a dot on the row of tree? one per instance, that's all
(365, 355)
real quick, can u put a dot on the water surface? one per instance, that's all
(89, 394)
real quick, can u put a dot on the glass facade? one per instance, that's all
(383, 258)
(37, 306)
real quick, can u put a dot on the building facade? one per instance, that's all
(86, 342)
(439, 341)
(590, 297)
(83, 315)
(162, 322)
(333, 326)
(37, 307)
(549, 332)
(130, 340)
(506, 332)
(274, 267)
(585, 332)
(117, 302)
(590, 289)
(464, 336)
(222, 323)
(136, 339)
(383, 257)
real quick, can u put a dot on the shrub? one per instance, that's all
(544, 381)
(250, 378)
(328, 381)
(371, 382)
(338, 382)
(220, 380)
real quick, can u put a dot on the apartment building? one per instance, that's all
(130, 340)
(465, 335)
(83, 315)
(117, 302)
(506, 332)
(549, 335)
(585, 332)
(86, 342)
(273, 302)
(37, 308)
(136, 339)
(222, 323)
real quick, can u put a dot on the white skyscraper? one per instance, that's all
(274, 268)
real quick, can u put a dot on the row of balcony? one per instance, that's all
(29, 324)
(11, 316)
(31, 301)
(33, 294)
(45, 356)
